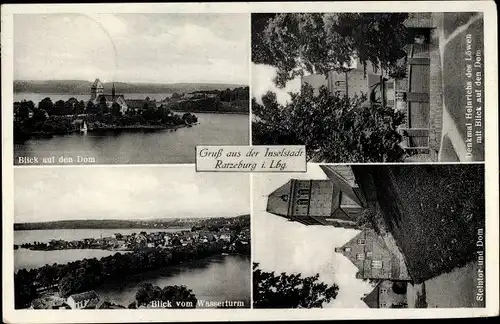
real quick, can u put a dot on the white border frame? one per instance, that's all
(491, 165)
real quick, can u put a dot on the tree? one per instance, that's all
(295, 43)
(290, 291)
(23, 108)
(334, 128)
(91, 108)
(179, 296)
(79, 107)
(66, 286)
(47, 105)
(102, 106)
(116, 109)
(176, 296)
(59, 107)
(148, 110)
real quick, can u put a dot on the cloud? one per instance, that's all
(262, 82)
(127, 193)
(162, 48)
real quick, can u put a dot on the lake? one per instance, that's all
(126, 147)
(31, 236)
(218, 278)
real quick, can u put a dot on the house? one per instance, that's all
(334, 202)
(388, 294)
(97, 96)
(225, 237)
(88, 299)
(370, 254)
(352, 83)
(138, 105)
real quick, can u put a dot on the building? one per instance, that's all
(225, 237)
(354, 83)
(335, 202)
(139, 105)
(97, 96)
(370, 254)
(88, 299)
(388, 294)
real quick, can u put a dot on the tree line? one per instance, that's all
(290, 290)
(57, 118)
(333, 127)
(82, 275)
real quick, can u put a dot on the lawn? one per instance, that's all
(433, 212)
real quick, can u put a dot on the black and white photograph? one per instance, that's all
(370, 236)
(370, 87)
(117, 238)
(128, 88)
(249, 161)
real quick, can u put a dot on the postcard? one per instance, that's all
(184, 162)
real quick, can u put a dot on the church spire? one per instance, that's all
(113, 91)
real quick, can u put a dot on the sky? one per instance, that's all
(157, 48)
(283, 246)
(66, 193)
(262, 82)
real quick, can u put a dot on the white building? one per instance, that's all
(88, 299)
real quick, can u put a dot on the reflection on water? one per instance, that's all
(164, 146)
(218, 278)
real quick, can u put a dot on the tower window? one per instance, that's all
(360, 256)
(376, 264)
(303, 191)
(302, 202)
(361, 241)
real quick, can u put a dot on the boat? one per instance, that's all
(83, 128)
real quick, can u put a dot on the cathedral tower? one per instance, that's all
(96, 89)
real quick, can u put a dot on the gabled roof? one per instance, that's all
(97, 84)
(108, 97)
(343, 178)
(362, 235)
(278, 200)
(139, 103)
(372, 298)
(84, 296)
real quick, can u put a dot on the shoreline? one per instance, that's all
(214, 112)
(49, 135)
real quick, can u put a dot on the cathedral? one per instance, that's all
(97, 95)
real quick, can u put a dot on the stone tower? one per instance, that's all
(96, 89)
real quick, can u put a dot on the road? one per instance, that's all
(461, 44)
